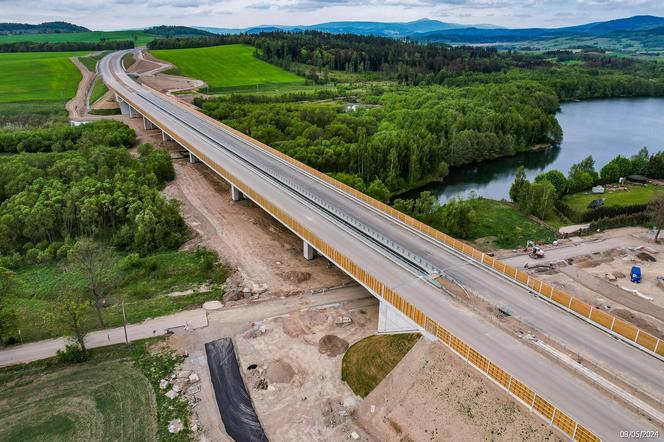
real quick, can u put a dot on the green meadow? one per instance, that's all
(228, 66)
(38, 76)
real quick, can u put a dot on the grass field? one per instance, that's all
(113, 396)
(228, 66)
(98, 91)
(139, 37)
(144, 288)
(503, 226)
(368, 361)
(108, 401)
(636, 195)
(38, 76)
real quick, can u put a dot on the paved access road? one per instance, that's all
(257, 169)
(152, 327)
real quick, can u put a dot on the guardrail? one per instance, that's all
(600, 318)
(517, 389)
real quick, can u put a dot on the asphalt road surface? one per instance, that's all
(576, 398)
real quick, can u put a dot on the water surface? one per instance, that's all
(601, 128)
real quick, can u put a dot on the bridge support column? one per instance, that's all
(124, 107)
(236, 195)
(147, 124)
(308, 251)
(391, 320)
(133, 113)
(165, 137)
(193, 159)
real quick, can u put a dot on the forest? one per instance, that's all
(33, 46)
(88, 186)
(402, 136)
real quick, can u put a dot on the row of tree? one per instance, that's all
(68, 46)
(404, 137)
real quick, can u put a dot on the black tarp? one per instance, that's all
(237, 411)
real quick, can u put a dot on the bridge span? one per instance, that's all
(403, 267)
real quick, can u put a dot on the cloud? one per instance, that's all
(123, 14)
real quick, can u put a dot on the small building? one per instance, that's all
(638, 179)
(598, 189)
(596, 203)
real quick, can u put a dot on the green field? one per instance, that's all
(139, 37)
(229, 66)
(499, 225)
(368, 361)
(38, 76)
(144, 288)
(98, 91)
(636, 195)
(109, 401)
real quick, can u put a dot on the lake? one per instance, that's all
(601, 128)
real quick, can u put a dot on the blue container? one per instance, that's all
(636, 274)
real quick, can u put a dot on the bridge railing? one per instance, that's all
(623, 329)
(517, 389)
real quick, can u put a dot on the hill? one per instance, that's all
(54, 27)
(177, 31)
(642, 24)
(385, 29)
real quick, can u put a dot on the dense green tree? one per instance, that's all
(541, 199)
(641, 162)
(457, 218)
(520, 181)
(555, 177)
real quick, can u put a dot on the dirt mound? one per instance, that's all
(293, 327)
(643, 256)
(313, 318)
(280, 372)
(332, 345)
(295, 276)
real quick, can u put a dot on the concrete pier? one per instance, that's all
(308, 251)
(236, 195)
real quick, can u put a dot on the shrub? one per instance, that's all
(634, 219)
(72, 354)
(612, 211)
(131, 261)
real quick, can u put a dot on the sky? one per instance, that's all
(131, 14)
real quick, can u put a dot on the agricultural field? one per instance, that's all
(229, 66)
(114, 395)
(107, 401)
(635, 195)
(139, 37)
(368, 361)
(38, 76)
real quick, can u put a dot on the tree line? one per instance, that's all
(70, 46)
(403, 137)
(48, 199)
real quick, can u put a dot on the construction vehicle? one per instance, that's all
(635, 274)
(536, 252)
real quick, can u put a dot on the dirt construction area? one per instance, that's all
(597, 270)
(267, 256)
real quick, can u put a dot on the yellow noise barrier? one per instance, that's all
(515, 388)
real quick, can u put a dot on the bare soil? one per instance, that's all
(263, 251)
(433, 395)
(297, 390)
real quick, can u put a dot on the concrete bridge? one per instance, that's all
(407, 266)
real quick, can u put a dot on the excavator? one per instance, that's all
(536, 252)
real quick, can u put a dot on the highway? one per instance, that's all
(310, 201)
